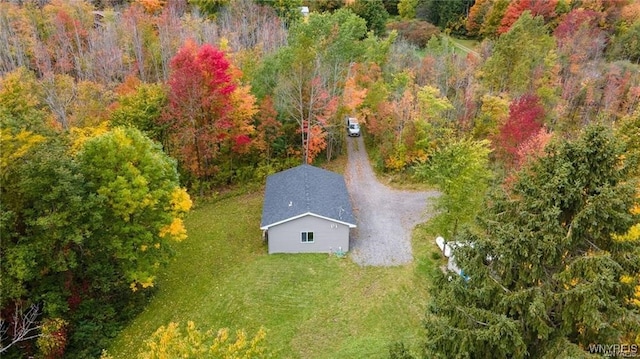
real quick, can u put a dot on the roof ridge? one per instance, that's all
(307, 194)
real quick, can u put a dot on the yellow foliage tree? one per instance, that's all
(16, 146)
(172, 341)
(180, 204)
(493, 113)
(79, 135)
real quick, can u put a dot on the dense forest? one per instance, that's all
(115, 114)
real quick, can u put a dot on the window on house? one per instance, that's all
(307, 237)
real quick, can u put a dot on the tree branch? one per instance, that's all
(471, 317)
(498, 283)
(25, 327)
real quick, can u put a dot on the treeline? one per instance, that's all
(106, 111)
(542, 67)
(535, 150)
(145, 66)
(93, 68)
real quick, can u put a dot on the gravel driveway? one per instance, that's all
(386, 216)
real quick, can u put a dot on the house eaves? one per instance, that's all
(350, 225)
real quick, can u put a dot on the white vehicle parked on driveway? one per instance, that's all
(353, 127)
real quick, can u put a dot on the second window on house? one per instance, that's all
(307, 237)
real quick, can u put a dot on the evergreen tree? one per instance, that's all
(442, 13)
(545, 275)
(391, 6)
(374, 13)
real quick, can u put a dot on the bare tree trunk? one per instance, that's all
(106, 55)
(60, 93)
(14, 53)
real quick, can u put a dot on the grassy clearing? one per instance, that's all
(313, 306)
(472, 44)
(464, 46)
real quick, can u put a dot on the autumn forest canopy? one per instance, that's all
(115, 114)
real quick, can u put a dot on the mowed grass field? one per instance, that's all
(311, 305)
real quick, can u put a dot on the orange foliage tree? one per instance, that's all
(546, 9)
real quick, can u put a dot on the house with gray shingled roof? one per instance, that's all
(307, 210)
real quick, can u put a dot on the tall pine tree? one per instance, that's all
(546, 277)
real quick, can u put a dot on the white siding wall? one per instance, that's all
(327, 236)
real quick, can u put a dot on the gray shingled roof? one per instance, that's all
(306, 189)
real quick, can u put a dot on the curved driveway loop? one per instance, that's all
(386, 216)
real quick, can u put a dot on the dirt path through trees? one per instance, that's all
(386, 216)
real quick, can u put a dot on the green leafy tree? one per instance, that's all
(311, 72)
(407, 8)
(140, 207)
(325, 5)
(494, 112)
(391, 6)
(378, 50)
(461, 171)
(142, 108)
(43, 207)
(433, 106)
(519, 57)
(625, 45)
(628, 130)
(493, 17)
(137, 214)
(544, 275)
(44, 219)
(82, 234)
(210, 7)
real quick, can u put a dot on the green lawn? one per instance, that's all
(312, 306)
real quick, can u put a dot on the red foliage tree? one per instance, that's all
(66, 43)
(575, 20)
(199, 106)
(525, 120)
(515, 9)
(579, 37)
